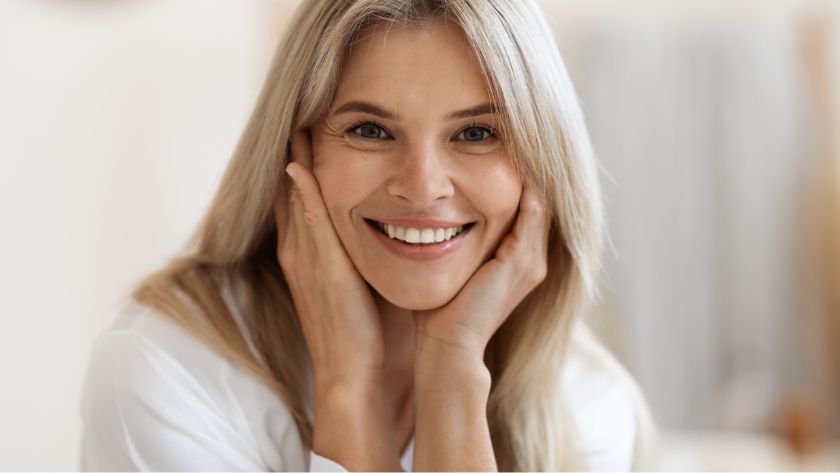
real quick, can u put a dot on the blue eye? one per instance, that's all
(473, 133)
(476, 133)
(368, 130)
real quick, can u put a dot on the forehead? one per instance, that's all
(425, 67)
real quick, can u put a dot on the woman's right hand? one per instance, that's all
(340, 322)
(337, 312)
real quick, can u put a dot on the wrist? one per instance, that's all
(434, 343)
(352, 429)
(352, 380)
(345, 396)
(447, 373)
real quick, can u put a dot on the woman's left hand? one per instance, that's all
(463, 327)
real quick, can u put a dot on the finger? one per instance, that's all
(311, 218)
(306, 196)
(302, 148)
(532, 224)
(311, 211)
(283, 203)
(523, 229)
(534, 228)
(309, 192)
(301, 153)
(284, 213)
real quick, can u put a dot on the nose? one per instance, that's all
(423, 176)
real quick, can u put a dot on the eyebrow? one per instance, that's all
(367, 107)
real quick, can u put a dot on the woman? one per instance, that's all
(409, 296)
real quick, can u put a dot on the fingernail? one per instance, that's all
(290, 172)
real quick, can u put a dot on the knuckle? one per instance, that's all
(294, 196)
(536, 207)
(310, 217)
(522, 263)
(532, 266)
(308, 202)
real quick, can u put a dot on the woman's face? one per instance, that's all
(410, 141)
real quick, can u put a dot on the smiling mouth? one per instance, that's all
(418, 236)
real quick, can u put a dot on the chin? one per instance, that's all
(412, 296)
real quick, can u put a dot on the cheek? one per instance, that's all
(337, 187)
(344, 181)
(495, 190)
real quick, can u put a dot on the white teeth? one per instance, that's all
(427, 235)
(419, 235)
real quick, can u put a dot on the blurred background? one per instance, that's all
(715, 123)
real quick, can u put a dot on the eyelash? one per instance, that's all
(483, 126)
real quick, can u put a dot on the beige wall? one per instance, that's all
(116, 122)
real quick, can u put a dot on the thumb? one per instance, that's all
(314, 210)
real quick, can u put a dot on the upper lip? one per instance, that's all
(421, 222)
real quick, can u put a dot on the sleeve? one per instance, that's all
(142, 411)
(319, 463)
(608, 425)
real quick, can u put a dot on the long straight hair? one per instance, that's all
(544, 131)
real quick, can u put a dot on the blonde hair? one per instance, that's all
(545, 133)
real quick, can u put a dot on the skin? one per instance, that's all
(421, 164)
(387, 331)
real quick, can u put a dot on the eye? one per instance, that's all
(368, 130)
(477, 132)
(473, 133)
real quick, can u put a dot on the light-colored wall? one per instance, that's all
(703, 116)
(116, 122)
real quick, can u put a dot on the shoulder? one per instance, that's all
(156, 397)
(611, 414)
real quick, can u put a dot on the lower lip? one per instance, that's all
(424, 252)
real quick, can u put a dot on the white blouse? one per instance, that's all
(157, 398)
